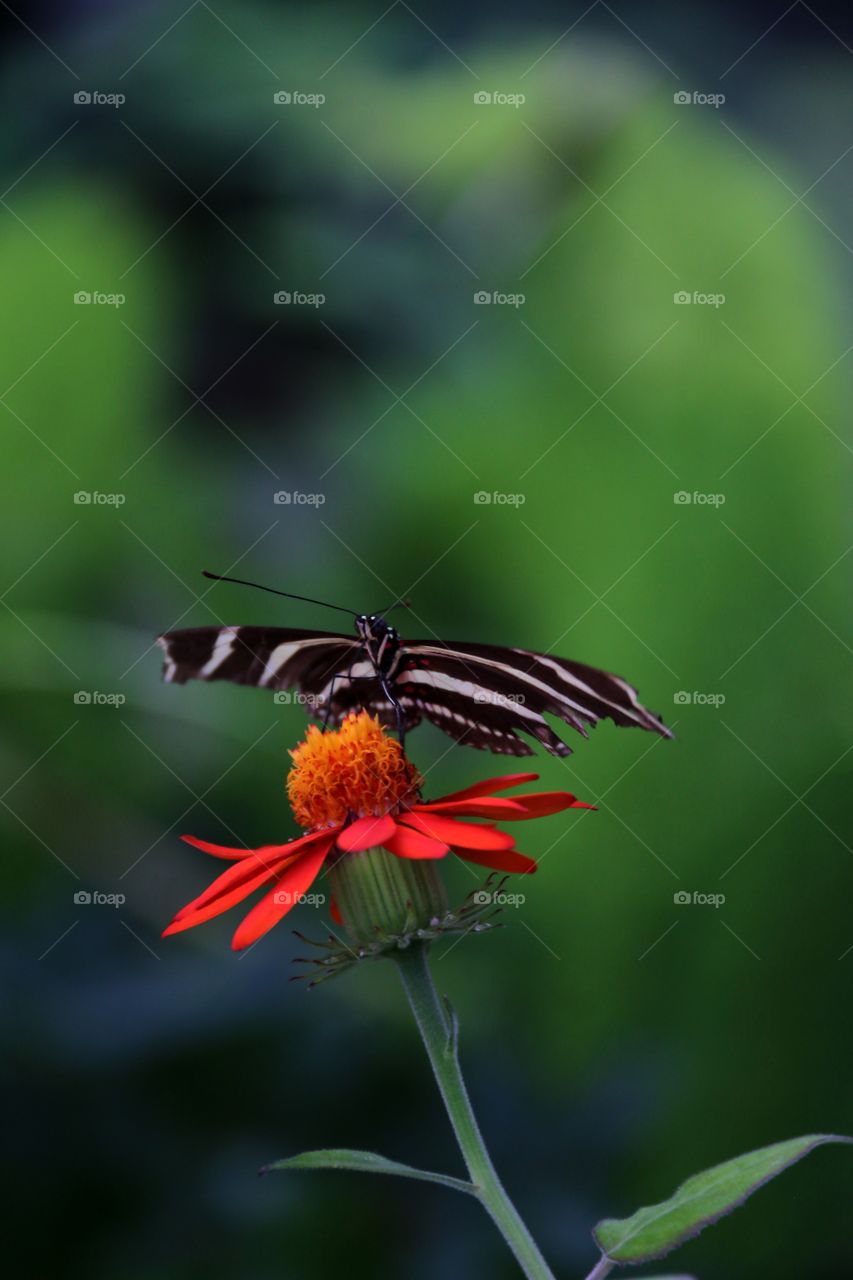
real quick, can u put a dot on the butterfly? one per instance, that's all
(481, 695)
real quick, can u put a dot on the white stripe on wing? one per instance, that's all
(222, 649)
(282, 654)
(475, 660)
(476, 694)
(575, 681)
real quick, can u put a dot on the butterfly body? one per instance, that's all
(381, 642)
(482, 695)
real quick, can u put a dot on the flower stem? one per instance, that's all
(438, 1031)
(601, 1269)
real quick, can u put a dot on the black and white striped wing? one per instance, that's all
(485, 696)
(268, 657)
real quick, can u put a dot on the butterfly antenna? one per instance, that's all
(219, 577)
(398, 604)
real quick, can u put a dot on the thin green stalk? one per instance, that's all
(601, 1269)
(438, 1031)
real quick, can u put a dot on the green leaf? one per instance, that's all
(365, 1162)
(701, 1200)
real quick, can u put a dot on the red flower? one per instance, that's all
(357, 790)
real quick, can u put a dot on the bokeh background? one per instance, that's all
(615, 1040)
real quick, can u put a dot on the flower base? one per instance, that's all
(476, 915)
(378, 894)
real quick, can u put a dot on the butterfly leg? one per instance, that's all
(334, 680)
(357, 656)
(328, 711)
(398, 711)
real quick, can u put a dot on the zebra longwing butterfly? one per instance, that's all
(481, 695)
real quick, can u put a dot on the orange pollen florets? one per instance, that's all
(356, 770)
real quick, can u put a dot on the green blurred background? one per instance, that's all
(615, 1041)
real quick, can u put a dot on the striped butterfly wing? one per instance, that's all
(480, 695)
(485, 696)
(323, 666)
(268, 657)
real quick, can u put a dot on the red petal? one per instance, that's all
(500, 860)
(266, 851)
(218, 850)
(488, 785)
(285, 894)
(458, 833)
(334, 912)
(491, 807)
(231, 887)
(365, 833)
(540, 803)
(407, 843)
(225, 897)
(189, 917)
(257, 866)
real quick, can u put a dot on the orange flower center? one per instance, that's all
(353, 771)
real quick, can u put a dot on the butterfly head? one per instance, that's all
(372, 626)
(381, 642)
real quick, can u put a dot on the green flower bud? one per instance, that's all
(380, 895)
